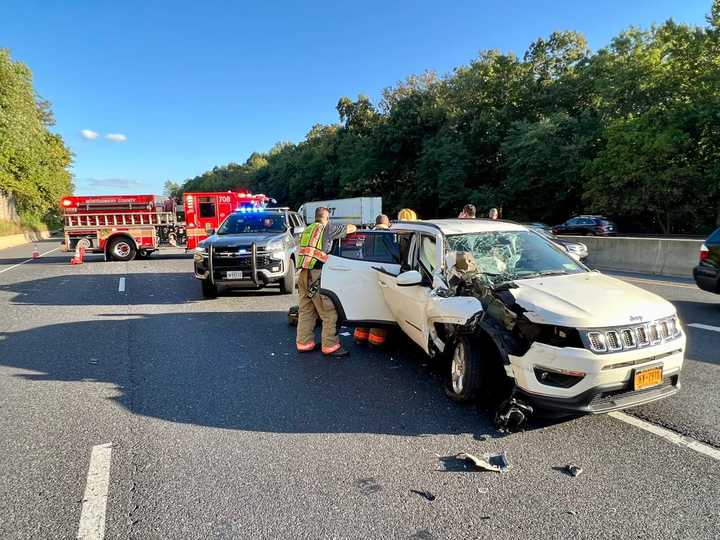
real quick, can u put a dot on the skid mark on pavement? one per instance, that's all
(26, 261)
(670, 436)
(92, 517)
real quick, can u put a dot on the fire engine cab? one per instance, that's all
(124, 227)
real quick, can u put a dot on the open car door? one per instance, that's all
(350, 278)
(408, 293)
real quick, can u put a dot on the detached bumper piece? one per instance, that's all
(605, 399)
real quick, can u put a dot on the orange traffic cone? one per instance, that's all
(35, 252)
(79, 255)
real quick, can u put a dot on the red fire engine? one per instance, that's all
(125, 226)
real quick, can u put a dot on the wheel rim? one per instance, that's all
(122, 249)
(457, 369)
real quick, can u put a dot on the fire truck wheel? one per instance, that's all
(122, 249)
(209, 290)
(287, 285)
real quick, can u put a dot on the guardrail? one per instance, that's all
(661, 256)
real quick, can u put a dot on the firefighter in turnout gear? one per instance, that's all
(374, 336)
(315, 243)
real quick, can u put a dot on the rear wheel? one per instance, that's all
(287, 285)
(209, 290)
(122, 249)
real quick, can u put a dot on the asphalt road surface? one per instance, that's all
(130, 405)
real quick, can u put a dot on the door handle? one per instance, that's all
(340, 268)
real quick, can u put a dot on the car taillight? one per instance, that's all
(704, 252)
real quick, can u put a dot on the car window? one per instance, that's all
(369, 246)
(206, 207)
(299, 219)
(573, 221)
(714, 238)
(427, 253)
(292, 219)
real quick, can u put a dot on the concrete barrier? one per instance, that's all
(661, 256)
(12, 240)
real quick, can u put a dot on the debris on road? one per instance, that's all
(572, 470)
(512, 415)
(425, 494)
(489, 462)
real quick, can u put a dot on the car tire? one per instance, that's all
(209, 290)
(121, 249)
(589, 233)
(476, 373)
(287, 284)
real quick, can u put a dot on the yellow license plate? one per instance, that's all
(648, 377)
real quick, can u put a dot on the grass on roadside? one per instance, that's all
(26, 225)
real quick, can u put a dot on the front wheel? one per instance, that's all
(477, 373)
(209, 290)
(465, 371)
(287, 284)
(122, 249)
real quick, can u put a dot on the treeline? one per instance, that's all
(631, 131)
(34, 163)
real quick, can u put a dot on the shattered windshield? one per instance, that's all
(511, 255)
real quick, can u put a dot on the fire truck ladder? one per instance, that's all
(86, 221)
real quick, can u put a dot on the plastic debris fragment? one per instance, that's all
(489, 462)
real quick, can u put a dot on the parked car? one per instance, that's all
(587, 226)
(253, 246)
(518, 314)
(577, 250)
(707, 272)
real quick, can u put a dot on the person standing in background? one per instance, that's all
(407, 215)
(493, 213)
(468, 212)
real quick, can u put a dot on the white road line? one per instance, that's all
(670, 436)
(121, 285)
(92, 517)
(705, 326)
(27, 260)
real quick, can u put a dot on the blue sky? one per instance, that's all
(196, 84)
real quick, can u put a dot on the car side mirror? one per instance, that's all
(210, 232)
(410, 278)
(298, 229)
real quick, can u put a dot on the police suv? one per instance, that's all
(253, 247)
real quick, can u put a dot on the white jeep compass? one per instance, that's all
(518, 315)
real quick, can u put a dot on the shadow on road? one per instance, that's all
(97, 289)
(240, 371)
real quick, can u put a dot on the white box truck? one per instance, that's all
(357, 210)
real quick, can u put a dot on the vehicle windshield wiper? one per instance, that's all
(544, 273)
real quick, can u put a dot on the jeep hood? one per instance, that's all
(588, 300)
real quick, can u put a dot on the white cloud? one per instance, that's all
(116, 137)
(88, 134)
(113, 182)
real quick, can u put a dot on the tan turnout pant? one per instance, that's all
(312, 308)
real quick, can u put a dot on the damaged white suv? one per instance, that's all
(511, 314)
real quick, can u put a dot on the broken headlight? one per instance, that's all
(624, 338)
(558, 336)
